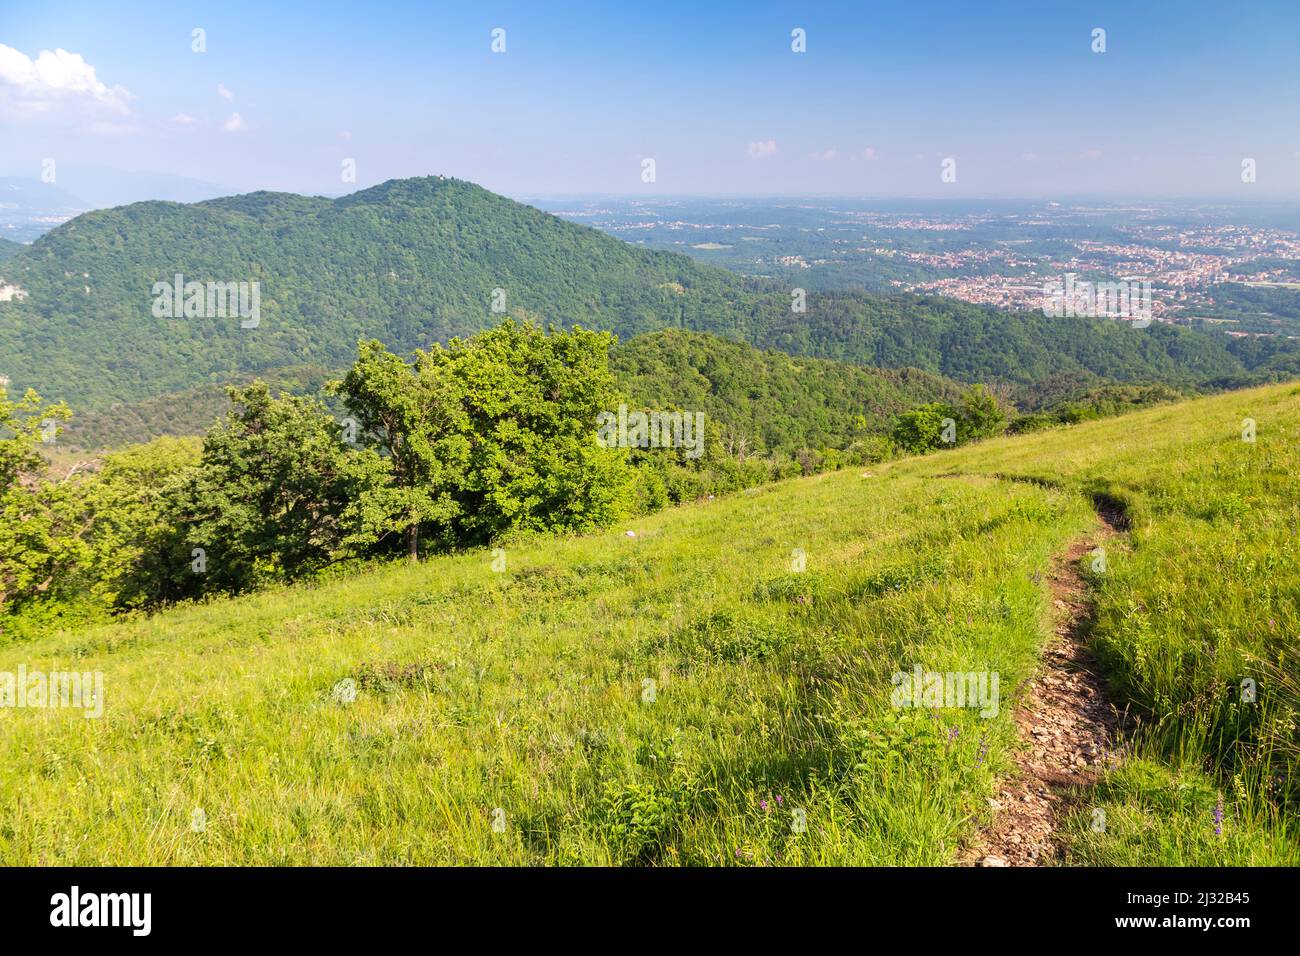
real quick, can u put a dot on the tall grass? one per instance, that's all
(1197, 623)
(689, 695)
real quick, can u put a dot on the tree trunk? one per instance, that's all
(413, 541)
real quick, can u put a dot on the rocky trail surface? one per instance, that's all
(1065, 717)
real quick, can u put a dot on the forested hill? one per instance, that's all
(408, 262)
(780, 403)
(415, 261)
(9, 249)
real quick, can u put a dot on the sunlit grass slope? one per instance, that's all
(688, 695)
(1203, 598)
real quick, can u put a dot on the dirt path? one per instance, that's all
(1065, 718)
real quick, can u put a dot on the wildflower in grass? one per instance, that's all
(1218, 817)
(984, 749)
(779, 801)
(763, 805)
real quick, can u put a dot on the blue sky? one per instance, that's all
(711, 91)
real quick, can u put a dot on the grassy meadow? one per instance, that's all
(715, 689)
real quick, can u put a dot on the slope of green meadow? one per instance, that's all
(688, 695)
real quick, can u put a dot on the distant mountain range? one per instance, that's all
(421, 260)
(101, 187)
(31, 207)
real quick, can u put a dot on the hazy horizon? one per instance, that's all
(526, 196)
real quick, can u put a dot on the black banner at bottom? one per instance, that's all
(336, 905)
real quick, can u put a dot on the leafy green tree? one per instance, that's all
(25, 425)
(491, 434)
(275, 494)
(31, 552)
(532, 401)
(921, 429)
(417, 420)
(980, 414)
(126, 509)
(77, 548)
(32, 549)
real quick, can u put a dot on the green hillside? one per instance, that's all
(8, 249)
(415, 261)
(785, 402)
(781, 402)
(689, 693)
(190, 412)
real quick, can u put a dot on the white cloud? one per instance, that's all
(869, 153)
(183, 119)
(1029, 157)
(762, 149)
(225, 94)
(53, 84)
(235, 124)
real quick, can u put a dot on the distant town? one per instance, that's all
(1236, 267)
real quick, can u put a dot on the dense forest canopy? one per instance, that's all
(780, 402)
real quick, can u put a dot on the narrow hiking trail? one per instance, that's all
(1065, 718)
